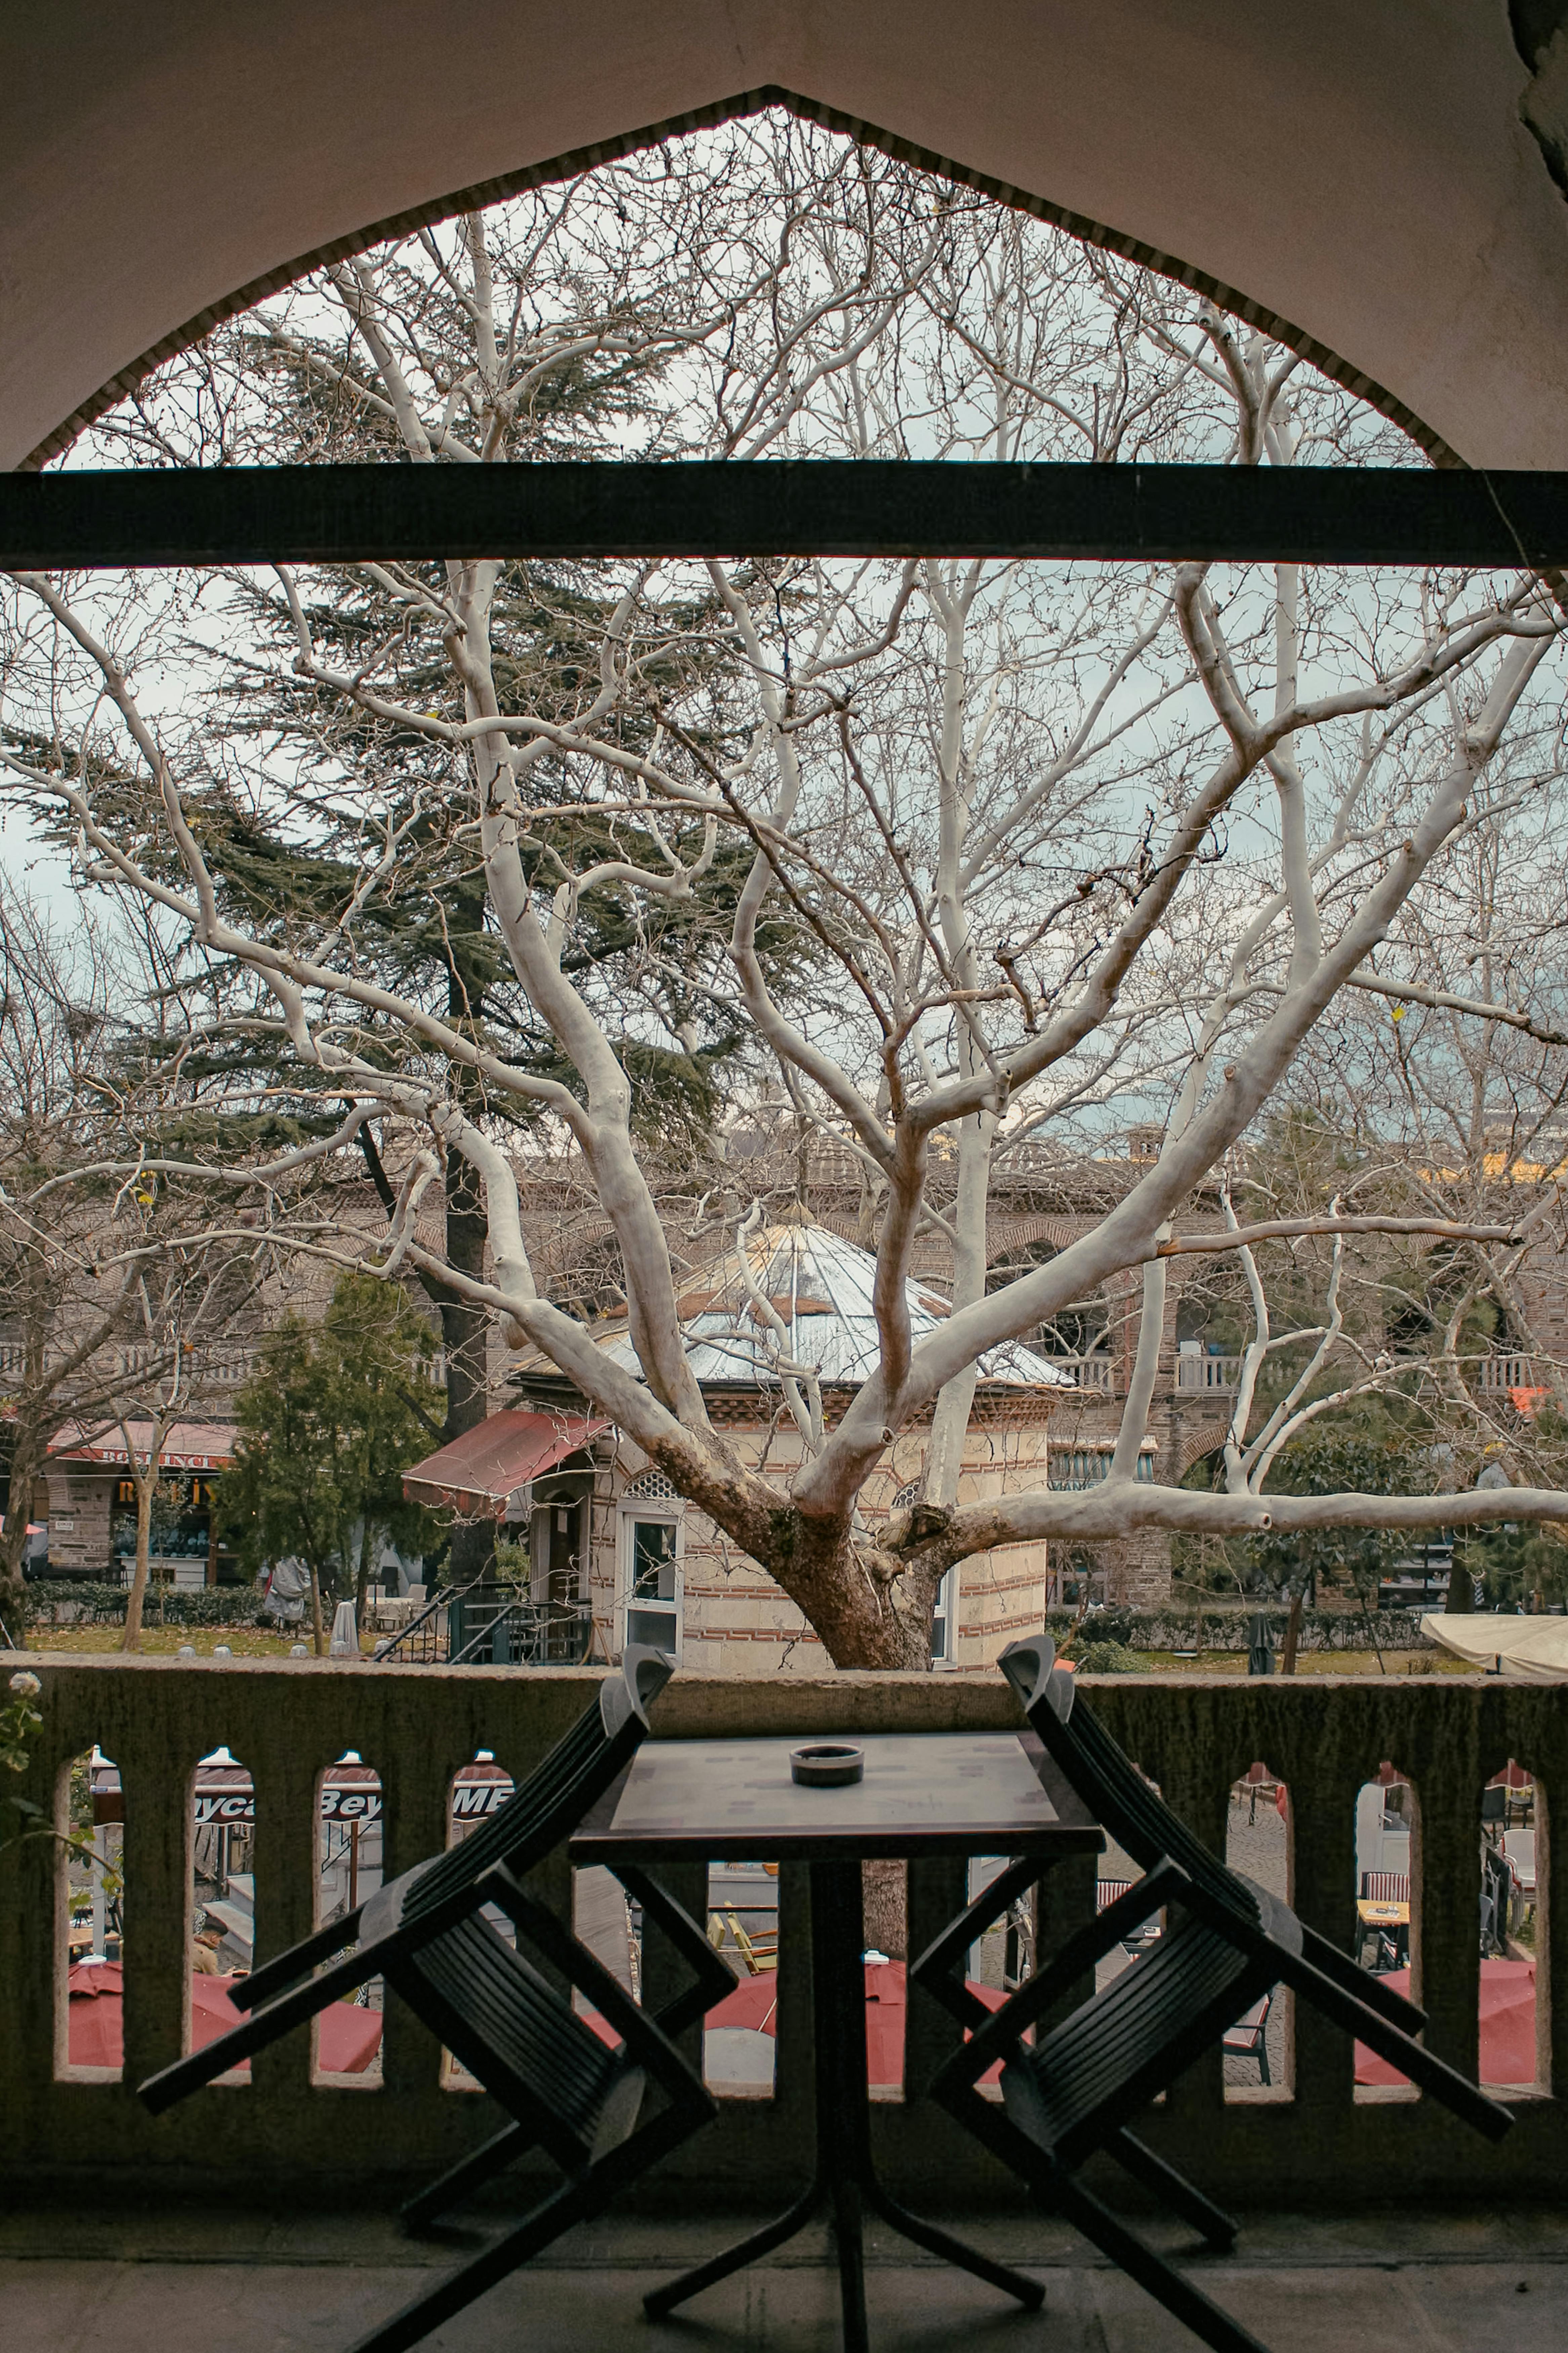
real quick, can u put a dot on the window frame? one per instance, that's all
(651, 1511)
(944, 1613)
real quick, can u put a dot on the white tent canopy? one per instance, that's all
(1534, 1649)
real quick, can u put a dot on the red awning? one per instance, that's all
(479, 1471)
(188, 1446)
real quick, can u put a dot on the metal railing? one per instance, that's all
(490, 1622)
(1310, 2139)
(498, 1625)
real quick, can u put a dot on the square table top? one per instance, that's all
(923, 1793)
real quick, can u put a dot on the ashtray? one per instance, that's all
(828, 1764)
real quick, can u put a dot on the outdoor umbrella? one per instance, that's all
(1508, 2027)
(349, 2039)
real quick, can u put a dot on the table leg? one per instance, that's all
(922, 2233)
(662, 2300)
(843, 2116)
(843, 2103)
(843, 2179)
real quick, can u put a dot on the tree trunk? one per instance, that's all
(318, 1630)
(1292, 1632)
(362, 1581)
(134, 1605)
(884, 1888)
(1461, 1596)
(465, 1330)
(850, 1612)
(25, 1465)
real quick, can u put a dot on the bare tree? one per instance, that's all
(1066, 845)
(120, 1291)
(176, 1359)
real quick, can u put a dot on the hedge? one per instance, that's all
(77, 1601)
(1174, 1628)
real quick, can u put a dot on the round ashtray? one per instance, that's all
(828, 1764)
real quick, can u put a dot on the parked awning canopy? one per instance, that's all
(188, 1446)
(482, 1469)
(1533, 1648)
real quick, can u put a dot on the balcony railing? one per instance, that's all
(1095, 1374)
(1200, 1374)
(287, 2132)
(1512, 1372)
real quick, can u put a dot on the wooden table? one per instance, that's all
(1375, 1916)
(922, 1794)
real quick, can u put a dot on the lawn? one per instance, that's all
(165, 1641)
(257, 1642)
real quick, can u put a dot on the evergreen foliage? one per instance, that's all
(327, 1424)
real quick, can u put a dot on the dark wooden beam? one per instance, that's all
(1133, 514)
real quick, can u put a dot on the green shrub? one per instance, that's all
(1178, 1626)
(70, 1600)
(1107, 1658)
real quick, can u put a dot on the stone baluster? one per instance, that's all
(1449, 1768)
(1322, 1774)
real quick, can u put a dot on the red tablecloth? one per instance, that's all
(1507, 2026)
(349, 2036)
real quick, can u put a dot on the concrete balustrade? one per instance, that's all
(285, 2136)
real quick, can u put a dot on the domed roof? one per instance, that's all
(821, 1286)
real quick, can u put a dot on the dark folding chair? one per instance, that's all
(603, 2116)
(399, 1920)
(1262, 1928)
(1248, 2038)
(1072, 2092)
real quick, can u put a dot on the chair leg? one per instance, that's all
(576, 2202)
(1181, 2299)
(1177, 2193)
(1352, 1978)
(445, 2191)
(1429, 2074)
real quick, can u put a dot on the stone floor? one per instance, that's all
(1480, 2282)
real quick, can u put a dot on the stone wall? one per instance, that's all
(287, 2137)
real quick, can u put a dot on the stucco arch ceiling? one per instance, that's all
(1371, 179)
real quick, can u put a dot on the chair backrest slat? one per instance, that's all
(520, 2016)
